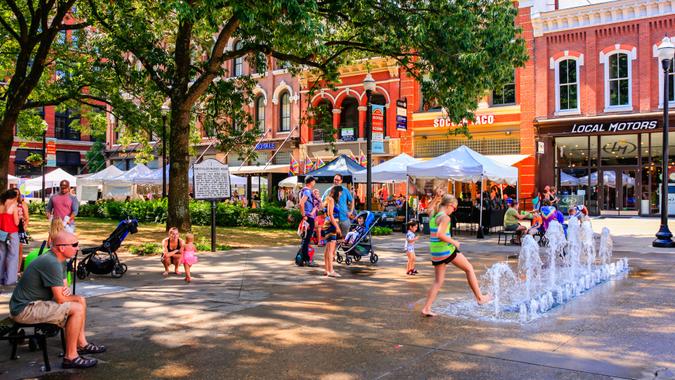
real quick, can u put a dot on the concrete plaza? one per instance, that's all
(254, 314)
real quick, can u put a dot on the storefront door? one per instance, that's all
(619, 192)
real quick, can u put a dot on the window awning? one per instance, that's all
(257, 170)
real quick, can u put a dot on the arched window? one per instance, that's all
(285, 113)
(238, 68)
(260, 113)
(567, 85)
(349, 119)
(618, 80)
(324, 115)
(380, 100)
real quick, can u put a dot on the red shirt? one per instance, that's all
(62, 205)
(7, 223)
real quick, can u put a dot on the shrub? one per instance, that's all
(378, 231)
(146, 249)
(36, 208)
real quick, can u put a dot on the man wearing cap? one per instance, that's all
(511, 219)
(306, 204)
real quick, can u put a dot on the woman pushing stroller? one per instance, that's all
(444, 249)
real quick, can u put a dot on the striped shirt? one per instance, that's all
(440, 250)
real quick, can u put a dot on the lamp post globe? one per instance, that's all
(369, 86)
(666, 52)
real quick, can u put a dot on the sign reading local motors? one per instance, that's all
(615, 126)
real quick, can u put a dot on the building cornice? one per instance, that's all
(358, 67)
(599, 14)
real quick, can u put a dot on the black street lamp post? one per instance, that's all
(369, 86)
(663, 237)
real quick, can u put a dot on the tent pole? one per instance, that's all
(407, 200)
(479, 235)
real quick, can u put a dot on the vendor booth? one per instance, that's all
(88, 187)
(52, 180)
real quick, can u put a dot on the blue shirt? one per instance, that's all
(309, 203)
(345, 197)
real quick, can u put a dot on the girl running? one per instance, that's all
(444, 249)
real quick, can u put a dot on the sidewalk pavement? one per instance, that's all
(254, 314)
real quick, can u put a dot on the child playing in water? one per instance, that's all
(188, 257)
(410, 240)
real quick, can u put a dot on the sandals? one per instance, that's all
(91, 349)
(79, 362)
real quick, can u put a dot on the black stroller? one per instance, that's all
(362, 245)
(103, 259)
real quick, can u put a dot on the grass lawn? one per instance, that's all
(92, 231)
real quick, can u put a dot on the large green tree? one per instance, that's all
(177, 50)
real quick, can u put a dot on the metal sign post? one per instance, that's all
(211, 181)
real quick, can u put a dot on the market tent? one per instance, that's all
(52, 179)
(12, 179)
(290, 182)
(394, 170)
(455, 165)
(137, 172)
(342, 165)
(98, 178)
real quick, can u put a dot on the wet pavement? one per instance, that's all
(254, 314)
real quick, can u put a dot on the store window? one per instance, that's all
(349, 119)
(69, 161)
(260, 113)
(567, 86)
(619, 150)
(504, 96)
(618, 81)
(324, 116)
(282, 158)
(238, 68)
(62, 126)
(572, 152)
(285, 113)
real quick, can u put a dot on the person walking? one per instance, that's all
(444, 250)
(22, 208)
(345, 204)
(331, 229)
(307, 205)
(9, 243)
(63, 206)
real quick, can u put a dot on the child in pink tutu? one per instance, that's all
(188, 257)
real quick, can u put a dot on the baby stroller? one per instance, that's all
(362, 245)
(103, 259)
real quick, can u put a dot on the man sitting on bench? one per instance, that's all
(43, 296)
(511, 219)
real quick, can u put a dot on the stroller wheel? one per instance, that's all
(82, 272)
(357, 258)
(118, 271)
(124, 267)
(374, 258)
(348, 260)
(339, 259)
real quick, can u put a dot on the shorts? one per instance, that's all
(511, 227)
(410, 250)
(447, 260)
(329, 233)
(44, 312)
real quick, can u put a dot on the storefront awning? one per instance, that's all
(508, 159)
(258, 170)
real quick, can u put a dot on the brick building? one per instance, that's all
(598, 105)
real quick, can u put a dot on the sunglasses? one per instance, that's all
(74, 245)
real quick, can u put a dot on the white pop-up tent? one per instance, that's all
(465, 165)
(155, 178)
(123, 185)
(88, 187)
(11, 179)
(394, 170)
(52, 179)
(290, 182)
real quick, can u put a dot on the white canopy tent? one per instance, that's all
(11, 179)
(88, 186)
(123, 185)
(465, 165)
(52, 179)
(290, 182)
(394, 170)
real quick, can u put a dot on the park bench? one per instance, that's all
(15, 333)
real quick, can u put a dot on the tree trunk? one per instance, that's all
(6, 138)
(179, 158)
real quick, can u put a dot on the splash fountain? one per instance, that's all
(571, 267)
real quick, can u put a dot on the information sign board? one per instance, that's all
(211, 180)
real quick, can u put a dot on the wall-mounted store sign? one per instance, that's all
(266, 146)
(486, 119)
(614, 127)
